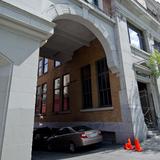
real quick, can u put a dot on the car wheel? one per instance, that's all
(50, 146)
(72, 147)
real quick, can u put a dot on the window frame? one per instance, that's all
(44, 63)
(106, 90)
(54, 89)
(64, 86)
(40, 67)
(156, 45)
(82, 86)
(54, 64)
(40, 96)
(44, 93)
(140, 34)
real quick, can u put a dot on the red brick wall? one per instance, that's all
(82, 57)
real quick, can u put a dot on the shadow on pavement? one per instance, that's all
(59, 155)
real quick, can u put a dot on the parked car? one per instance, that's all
(41, 136)
(71, 138)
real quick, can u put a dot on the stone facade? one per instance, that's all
(25, 28)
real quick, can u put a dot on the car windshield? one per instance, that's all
(81, 128)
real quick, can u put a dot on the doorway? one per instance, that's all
(147, 105)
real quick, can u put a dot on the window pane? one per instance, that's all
(103, 83)
(57, 83)
(40, 62)
(134, 38)
(39, 90)
(44, 106)
(44, 88)
(57, 63)
(40, 71)
(45, 65)
(65, 99)
(57, 100)
(86, 86)
(45, 68)
(157, 45)
(38, 100)
(93, 2)
(45, 60)
(66, 80)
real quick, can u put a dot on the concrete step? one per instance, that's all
(152, 133)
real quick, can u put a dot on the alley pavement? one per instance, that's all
(106, 152)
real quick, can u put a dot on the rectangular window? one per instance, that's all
(136, 37)
(65, 94)
(38, 100)
(103, 83)
(157, 45)
(44, 98)
(57, 99)
(41, 96)
(95, 2)
(86, 86)
(57, 64)
(42, 66)
(45, 65)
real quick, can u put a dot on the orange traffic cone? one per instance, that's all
(138, 148)
(128, 145)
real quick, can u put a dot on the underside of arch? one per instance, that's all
(100, 29)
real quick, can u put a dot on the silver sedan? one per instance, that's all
(71, 138)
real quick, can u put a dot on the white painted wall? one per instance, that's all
(5, 75)
(20, 115)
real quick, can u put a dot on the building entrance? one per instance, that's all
(147, 104)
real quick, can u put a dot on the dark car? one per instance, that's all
(41, 136)
(71, 138)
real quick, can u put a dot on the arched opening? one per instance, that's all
(75, 85)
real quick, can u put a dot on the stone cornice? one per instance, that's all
(144, 20)
(102, 15)
(17, 19)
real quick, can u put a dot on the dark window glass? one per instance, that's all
(103, 83)
(81, 128)
(41, 99)
(136, 37)
(57, 100)
(64, 131)
(66, 81)
(38, 100)
(95, 2)
(86, 86)
(44, 98)
(157, 45)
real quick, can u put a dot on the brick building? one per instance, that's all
(92, 68)
(82, 89)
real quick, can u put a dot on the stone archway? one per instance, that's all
(102, 28)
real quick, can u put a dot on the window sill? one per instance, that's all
(63, 112)
(97, 109)
(139, 52)
(40, 114)
(43, 74)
